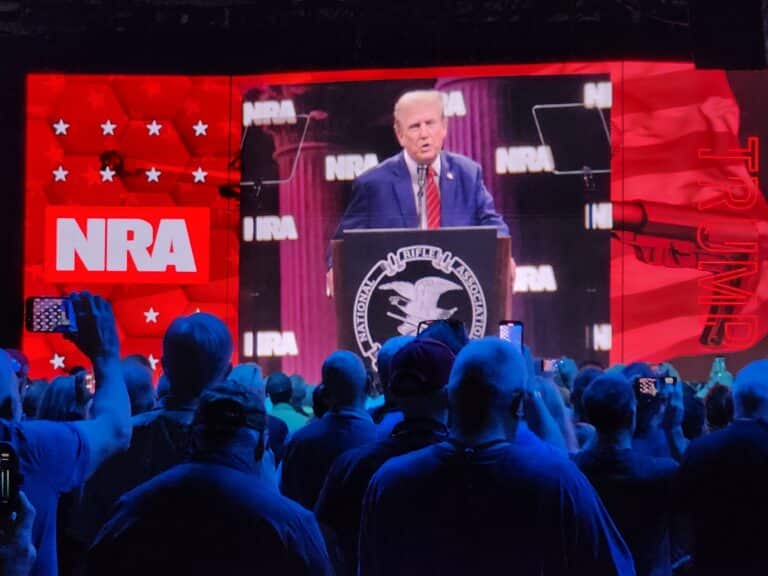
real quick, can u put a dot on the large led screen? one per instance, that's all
(631, 191)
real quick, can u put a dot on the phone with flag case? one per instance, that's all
(49, 314)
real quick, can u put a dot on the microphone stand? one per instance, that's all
(421, 181)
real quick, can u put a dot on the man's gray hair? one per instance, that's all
(418, 95)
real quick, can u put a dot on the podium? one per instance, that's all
(387, 282)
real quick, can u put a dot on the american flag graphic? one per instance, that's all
(674, 122)
(149, 141)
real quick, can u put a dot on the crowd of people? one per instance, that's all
(476, 461)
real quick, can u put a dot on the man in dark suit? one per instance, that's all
(423, 186)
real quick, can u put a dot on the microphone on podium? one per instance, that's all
(421, 182)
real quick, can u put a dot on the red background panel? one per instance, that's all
(130, 103)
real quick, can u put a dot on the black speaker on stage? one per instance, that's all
(730, 35)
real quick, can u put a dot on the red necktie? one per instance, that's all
(433, 201)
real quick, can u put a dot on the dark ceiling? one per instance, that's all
(228, 36)
(277, 34)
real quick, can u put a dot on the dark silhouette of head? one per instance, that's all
(196, 352)
(452, 333)
(230, 415)
(610, 405)
(65, 399)
(584, 378)
(384, 358)
(420, 373)
(345, 380)
(750, 391)
(487, 379)
(298, 391)
(719, 407)
(249, 375)
(320, 402)
(279, 388)
(138, 381)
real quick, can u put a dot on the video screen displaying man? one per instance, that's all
(423, 186)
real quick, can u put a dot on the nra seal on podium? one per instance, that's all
(416, 284)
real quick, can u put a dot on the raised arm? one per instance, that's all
(109, 429)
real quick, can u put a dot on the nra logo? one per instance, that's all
(598, 216)
(269, 228)
(522, 159)
(598, 95)
(348, 166)
(115, 244)
(601, 337)
(269, 112)
(453, 103)
(535, 279)
(269, 344)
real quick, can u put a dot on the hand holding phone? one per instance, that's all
(646, 387)
(675, 409)
(96, 336)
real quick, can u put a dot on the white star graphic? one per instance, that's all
(108, 129)
(200, 128)
(57, 361)
(153, 362)
(154, 128)
(199, 174)
(150, 316)
(153, 175)
(197, 310)
(107, 174)
(60, 175)
(61, 128)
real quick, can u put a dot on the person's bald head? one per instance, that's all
(345, 379)
(750, 391)
(10, 402)
(487, 378)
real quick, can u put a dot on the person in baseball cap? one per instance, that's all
(420, 368)
(229, 416)
(419, 374)
(218, 511)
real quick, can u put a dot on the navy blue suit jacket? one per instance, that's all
(383, 197)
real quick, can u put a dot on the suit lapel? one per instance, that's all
(403, 189)
(447, 191)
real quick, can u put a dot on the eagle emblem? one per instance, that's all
(418, 301)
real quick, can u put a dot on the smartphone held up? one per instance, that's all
(512, 331)
(49, 314)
